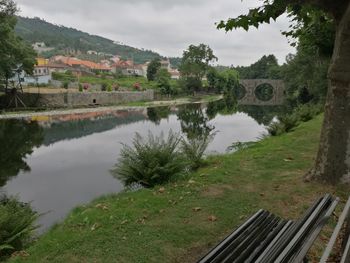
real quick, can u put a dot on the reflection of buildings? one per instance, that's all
(72, 126)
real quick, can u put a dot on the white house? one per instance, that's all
(41, 47)
(133, 71)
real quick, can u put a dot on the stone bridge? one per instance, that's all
(261, 92)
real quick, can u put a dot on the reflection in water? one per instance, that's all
(193, 121)
(68, 130)
(70, 156)
(156, 114)
(226, 106)
(262, 114)
(17, 140)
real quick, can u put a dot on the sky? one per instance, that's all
(168, 27)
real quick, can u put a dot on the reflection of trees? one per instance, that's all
(68, 130)
(193, 121)
(262, 114)
(156, 114)
(17, 140)
(226, 106)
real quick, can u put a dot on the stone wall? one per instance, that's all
(81, 99)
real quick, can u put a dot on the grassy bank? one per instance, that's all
(180, 222)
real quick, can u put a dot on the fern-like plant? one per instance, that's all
(16, 225)
(150, 162)
(194, 148)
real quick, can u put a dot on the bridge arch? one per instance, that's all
(261, 92)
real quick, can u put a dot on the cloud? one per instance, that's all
(167, 27)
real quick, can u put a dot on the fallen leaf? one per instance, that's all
(161, 190)
(191, 182)
(124, 222)
(102, 206)
(196, 209)
(212, 218)
(95, 226)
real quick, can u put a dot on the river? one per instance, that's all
(57, 163)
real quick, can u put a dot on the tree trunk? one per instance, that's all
(333, 158)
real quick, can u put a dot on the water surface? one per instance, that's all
(65, 161)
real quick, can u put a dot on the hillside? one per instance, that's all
(62, 38)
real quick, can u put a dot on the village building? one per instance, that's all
(135, 70)
(174, 74)
(91, 52)
(41, 47)
(165, 64)
(40, 75)
(82, 65)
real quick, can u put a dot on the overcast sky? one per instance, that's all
(167, 27)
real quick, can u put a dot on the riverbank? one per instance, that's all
(127, 106)
(182, 221)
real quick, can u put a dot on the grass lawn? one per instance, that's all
(182, 222)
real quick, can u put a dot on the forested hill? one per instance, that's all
(62, 38)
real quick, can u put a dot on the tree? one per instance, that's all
(265, 68)
(14, 52)
(195, 64)
(153, 68)
(216, 80)
(163, 81)
(333, 159)
(305, 74)
(224, 81)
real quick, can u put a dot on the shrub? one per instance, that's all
(16, 225)
(150, 162)
(289, 122)
(104, 86)
(65, 84)
(109, 88)
(80, 87)
(285, 123)
(307, 112)
(193, 150)
(275, 129)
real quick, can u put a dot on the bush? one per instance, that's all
(150, 162)
(193, 150)
(289, 122)
(80, 87)
(104, 86)
(275, 129)
(16, 225)
(109, 88)
(65, 84)
(307, 112)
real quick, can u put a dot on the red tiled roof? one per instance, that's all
(78, 62)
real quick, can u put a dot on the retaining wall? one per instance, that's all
(61, 100)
